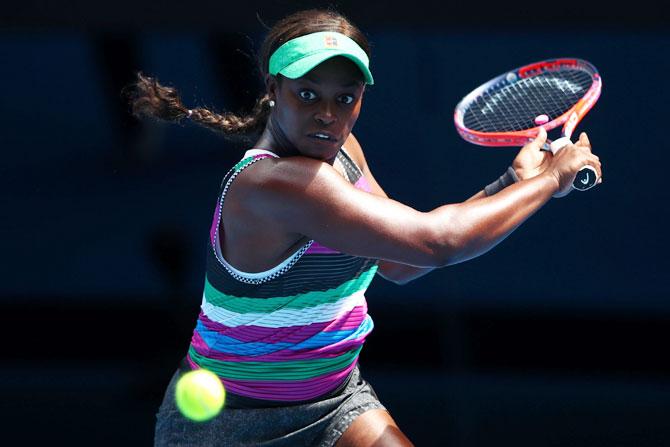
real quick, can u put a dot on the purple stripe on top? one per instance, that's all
(319, 249)
(295, 338)
(284, 355)
(294, 334)
(215, 223)
(286, 390)
(289, 390)
(362, 183)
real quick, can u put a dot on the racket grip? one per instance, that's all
(587, 177)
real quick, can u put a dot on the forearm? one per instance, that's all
(508, 178)
(480, 195)
(476, 226)
(499, 219)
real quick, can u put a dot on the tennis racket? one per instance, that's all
(508, 110)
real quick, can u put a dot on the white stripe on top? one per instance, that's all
(284, 317)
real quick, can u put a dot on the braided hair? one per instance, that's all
(149, 98)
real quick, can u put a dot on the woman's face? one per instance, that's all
(317, 112)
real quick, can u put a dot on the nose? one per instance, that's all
(325, 115)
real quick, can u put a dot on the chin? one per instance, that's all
(323, 153)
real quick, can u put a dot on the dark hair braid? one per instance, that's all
(150, 99)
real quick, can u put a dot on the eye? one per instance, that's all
(346, 99)
(307, 95)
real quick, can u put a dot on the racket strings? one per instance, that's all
(515, 106)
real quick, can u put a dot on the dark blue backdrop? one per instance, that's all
(78, 206)
(556, 337)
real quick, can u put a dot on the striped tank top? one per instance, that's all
(288, 335)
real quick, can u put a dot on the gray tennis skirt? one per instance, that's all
(319, 423)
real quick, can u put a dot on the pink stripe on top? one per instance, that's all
(215, 223)
(362, 183)
(319, 249)
(285, 389)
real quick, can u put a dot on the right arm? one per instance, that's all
(306, 196)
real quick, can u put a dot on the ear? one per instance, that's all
(271, 86)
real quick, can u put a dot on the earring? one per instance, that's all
(271, 103)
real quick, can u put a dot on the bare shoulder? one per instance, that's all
(257, 226)
(286, 174)
(259, 188)
(291, 198)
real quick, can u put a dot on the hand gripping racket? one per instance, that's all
(509, 109)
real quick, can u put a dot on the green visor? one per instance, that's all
(298, 56)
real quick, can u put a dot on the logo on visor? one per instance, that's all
(330, 41)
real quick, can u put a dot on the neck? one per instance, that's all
(273, 139)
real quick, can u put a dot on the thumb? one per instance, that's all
(584, 140)
(540, 139)
(541, 136)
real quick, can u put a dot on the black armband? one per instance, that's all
(503, 182)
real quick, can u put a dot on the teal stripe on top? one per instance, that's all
(301, 301)
(240, 164)
(291, 370)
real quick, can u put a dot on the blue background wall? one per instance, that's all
(556, 337)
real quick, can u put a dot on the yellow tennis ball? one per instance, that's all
(200, 395)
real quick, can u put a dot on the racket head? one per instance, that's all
(503, 111)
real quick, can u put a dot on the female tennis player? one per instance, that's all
(301, 227)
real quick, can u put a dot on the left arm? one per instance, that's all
(391, 271)
(529, 162)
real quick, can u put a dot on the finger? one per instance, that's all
(584, 140)
(595, 163)
(586, 158)
(540, 140)
(585, 149)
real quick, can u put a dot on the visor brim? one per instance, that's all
(302, 66)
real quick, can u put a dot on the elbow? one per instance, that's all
(448, 243)
(400, 274)
(440, 252)
(445, 257)
(400, 281)
(393, 272)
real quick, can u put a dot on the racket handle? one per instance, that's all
(586, 177)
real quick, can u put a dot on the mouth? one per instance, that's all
(323, 136)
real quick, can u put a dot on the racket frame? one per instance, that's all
(569, 119)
